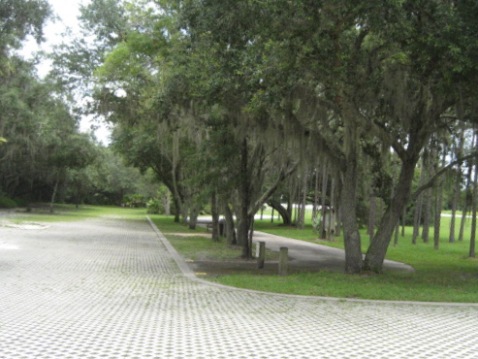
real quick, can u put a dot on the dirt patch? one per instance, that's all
(209, 268)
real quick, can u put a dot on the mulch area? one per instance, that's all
(242, 266)
(214, 268)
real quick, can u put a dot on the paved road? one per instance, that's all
(112, 289)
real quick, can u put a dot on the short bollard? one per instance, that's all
(262, 255)
(284, 261)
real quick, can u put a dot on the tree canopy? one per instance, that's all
(241, 103)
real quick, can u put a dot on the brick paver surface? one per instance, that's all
(111, 289)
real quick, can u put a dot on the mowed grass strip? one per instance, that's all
(197, 244)
(66, 213)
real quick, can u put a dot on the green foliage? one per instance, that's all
(108, 180)
(6, 202)
(154, 206)
(161, 202)
(106, 19)
(19, 18)
(40, 130)
(228, 97)
(134, 200)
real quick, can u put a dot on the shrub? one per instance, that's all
(6, 202)
(134, 200)
(154, 206)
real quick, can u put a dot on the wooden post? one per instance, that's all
(284, 261)
(262, 255)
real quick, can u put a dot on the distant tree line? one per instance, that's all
(43, 156)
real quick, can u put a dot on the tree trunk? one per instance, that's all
(417, 218)
(244, 222)
(437, 220)
(461, 233)
(323, 204)
(353, 253)
(193, 217)
(426, 216)
(474, 205)
(456, 188)
(167, 204)
(439, 204)
(177, 207)
(378, 248)
(184, 214)
(215, 217)
(294, 205)
(372, 213)
(417, 215)
(283, 212)
(397, 227)
(431, 165)
(396, 234)
(316, 196)
(243, 228)
(465, 204)
(303, 203)
(55, 191)
(456, 193)
(404, 215)
(230, 228)
(338, 216)
(290, 207)
(331, 230)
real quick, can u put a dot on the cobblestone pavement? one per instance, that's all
(111, 289)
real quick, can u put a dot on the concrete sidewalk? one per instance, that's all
(112, 289)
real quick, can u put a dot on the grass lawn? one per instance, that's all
(197, 244)
(65, 213)
(444, 275)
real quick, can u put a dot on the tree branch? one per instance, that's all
(282, 176)
(437, 175)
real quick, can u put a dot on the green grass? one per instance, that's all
(444, 275)
(191, 243)
(426, 287)
(65, 213)
(197, 244)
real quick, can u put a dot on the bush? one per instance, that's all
(134, 200)
(154, 206)
(6, 202)
(21, 202)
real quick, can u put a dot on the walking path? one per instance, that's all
(302, 253)
(112, 289)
